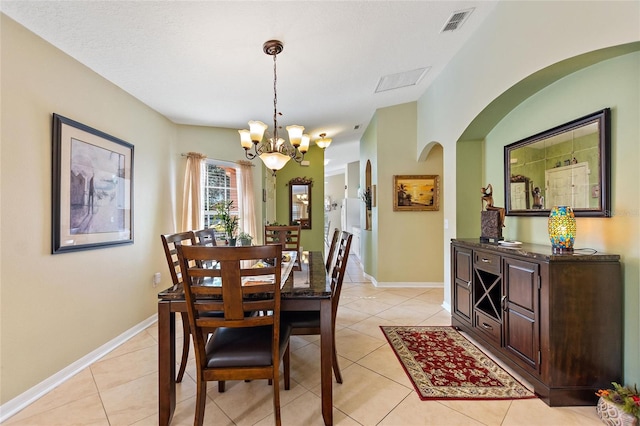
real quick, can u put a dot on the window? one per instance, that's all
(219, 183)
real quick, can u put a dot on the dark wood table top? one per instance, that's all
(311, 282)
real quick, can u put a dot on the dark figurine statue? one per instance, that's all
(487, 198)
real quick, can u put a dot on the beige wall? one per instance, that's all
(57, 309)
(412, 247)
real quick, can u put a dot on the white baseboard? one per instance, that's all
(412, 284)
(21, 401)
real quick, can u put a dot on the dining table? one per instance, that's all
(305, 290)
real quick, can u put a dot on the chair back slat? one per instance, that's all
(339, 268)
(170, 242)
(206, 237)
(332, 248)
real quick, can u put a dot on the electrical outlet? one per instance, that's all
(156, 278)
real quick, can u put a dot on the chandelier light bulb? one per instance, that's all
(295, 134)
(323, 142)
(245, 139)
(304, 143)
(257, 128)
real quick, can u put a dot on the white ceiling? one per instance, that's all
(201, 62)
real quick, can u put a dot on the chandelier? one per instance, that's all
(275, 152)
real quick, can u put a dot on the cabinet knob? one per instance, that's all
(503, 302)
(483, 260)
(469, 285)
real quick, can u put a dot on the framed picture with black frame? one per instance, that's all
(92, 188)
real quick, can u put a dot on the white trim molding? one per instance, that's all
(412, 284)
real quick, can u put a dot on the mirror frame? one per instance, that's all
(603, 118)
(300, 181)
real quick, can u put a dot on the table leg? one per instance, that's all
(166, 362)
(326, 354)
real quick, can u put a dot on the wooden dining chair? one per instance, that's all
(332, 247)
(287, 236)
(170, 242)
(308, 322)
(206, 237)
(241, 347)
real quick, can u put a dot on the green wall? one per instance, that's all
(311, 239)
(470, 164)
(614, 83)
(369, 238)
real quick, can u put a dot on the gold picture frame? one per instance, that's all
(416, 193)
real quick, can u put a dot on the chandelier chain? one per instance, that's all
(275, 102)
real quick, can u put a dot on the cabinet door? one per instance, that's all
(461, 291)
(521, 316)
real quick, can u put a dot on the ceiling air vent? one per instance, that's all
(456, 20)
(403, 79)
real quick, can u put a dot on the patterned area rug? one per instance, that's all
(443, 364)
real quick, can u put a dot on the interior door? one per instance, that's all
(568, 186)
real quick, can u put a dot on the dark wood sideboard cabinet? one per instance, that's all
(555, 319)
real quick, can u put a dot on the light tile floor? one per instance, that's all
(121, 388)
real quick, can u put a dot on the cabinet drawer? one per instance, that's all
(491, 328)
(487, 261)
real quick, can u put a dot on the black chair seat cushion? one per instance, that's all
(301, 319)
(243, 347)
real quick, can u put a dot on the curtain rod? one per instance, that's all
(241, 162)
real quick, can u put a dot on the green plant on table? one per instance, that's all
(228, 222)
(245, 238)
(626, 397)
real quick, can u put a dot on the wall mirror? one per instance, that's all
(568, 165)
(300, 202)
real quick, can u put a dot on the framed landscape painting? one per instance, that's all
(92, 188)
(416, 193)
